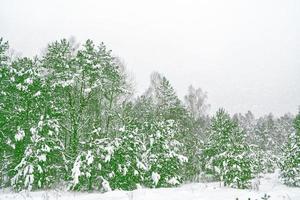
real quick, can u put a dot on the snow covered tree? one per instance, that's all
(4, 119)
(247, 122)
(266, 136)
(143, 154)
(91, 169)
(42, 163)
(165, 105)
(197, 107)
(128, 165)
(87, 86)
(284, 127)
(264, 130)
(265, 140)
(163, 96)
(290, 166)
(111, 163)
(164, 154)
(32, 152)
(226, 155)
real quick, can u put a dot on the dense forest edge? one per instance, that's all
(70, 119)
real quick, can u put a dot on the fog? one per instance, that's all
(245, 54)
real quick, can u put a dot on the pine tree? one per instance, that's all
(164, 154)
(87, 85)
(92, 168)
(32, 153)
(42, 161)
(115, 162)
(88, 88)
(247, 122)
(265, 142)
(226, 155)
(283, 128)
(4, 115)
(162, 104)
(290, 166)
(129, 162)
(163, 96)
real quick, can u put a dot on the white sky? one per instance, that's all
(244, 53)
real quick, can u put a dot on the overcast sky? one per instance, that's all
(244, 53)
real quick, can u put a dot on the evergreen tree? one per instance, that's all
(32, 151)
(164, 155)
(87, 85)
(290, 166)
(4, 114)
(111, 163)
(284, 127)
(163, 104)
(265, 142)
(128, 165)
(247, 122)
(226, 155)
(144, 154)
(92, 168)
(42, 164)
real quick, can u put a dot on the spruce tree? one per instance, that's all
(163, 151)
(290, 166)
(4, 114)
(33, 150)
(265, 142)
(226, 155)
(87, 85)
(129, 162)
(167, 106)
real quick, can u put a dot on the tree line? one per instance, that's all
(69, 118)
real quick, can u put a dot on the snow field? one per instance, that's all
(269, 185)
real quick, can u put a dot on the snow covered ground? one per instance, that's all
(270, 185)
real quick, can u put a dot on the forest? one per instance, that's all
(70, 118)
